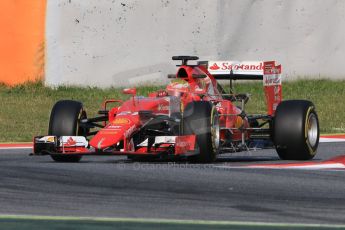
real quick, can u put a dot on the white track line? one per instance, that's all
(330, 140)
(6, 148)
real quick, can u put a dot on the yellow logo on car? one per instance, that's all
(51, 139)
(120, 121)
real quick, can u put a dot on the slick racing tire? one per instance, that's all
(296, 130)
(201, 118)
(64, 121)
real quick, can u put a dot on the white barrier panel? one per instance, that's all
(120, 43)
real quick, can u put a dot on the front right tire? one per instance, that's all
(201, 118)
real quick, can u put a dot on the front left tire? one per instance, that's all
(64, 121)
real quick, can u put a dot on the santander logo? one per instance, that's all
(242, 66)
(70, 142)
(238, 67)
(214, 67)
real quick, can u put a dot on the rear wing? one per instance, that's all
(267, 71)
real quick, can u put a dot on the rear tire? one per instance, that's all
(64, 121)
(296, 130)
(201, 118)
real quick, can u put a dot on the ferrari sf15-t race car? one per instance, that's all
(193, 118)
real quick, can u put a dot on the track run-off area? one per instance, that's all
(248, 190)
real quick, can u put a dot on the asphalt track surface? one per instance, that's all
(116, 187)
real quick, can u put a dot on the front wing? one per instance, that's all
(78, 145)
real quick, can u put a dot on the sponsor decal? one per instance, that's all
(214, 67)
(70, 142)
(274, 106)
(73, 141)
(274, 79)
(165, 139)
(47, 139)
(236, 67)
(120, 121)
(107, 132)
(111, 126)
(272, 75)
(51, 139)
(240, 66)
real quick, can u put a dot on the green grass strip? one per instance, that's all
(58, 222)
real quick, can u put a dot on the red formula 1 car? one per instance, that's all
(193, 118)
